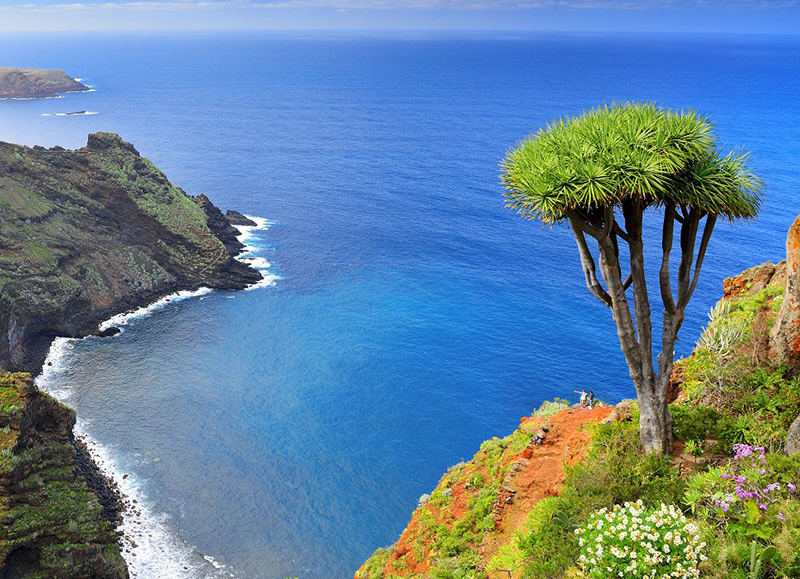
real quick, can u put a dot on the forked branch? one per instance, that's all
(588, 264)
(666, 248)
(701, 253)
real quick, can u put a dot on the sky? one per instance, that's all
(692, 16)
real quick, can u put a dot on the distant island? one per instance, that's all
(34, 83)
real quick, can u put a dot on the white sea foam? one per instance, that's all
(49, 379)
(246, 234)
(151, 546)
(76, 114)
(125, 317)
(30, 98)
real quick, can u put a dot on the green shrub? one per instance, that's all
(550, 408)
(617, 470)
(693, 421)
(549, 547)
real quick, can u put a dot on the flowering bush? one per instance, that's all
(747, 497)
(639, 543)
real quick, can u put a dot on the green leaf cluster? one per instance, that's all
(618, 151)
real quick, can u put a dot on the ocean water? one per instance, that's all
(288, 430)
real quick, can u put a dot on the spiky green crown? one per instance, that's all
(623, 150)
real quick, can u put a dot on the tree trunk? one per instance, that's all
(635, 332)
(655, 421)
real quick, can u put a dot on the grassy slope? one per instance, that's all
(50, 521)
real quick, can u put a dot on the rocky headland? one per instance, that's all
(34, 83)
(86, 234)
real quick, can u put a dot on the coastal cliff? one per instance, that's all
(33, 83)
(478, 506)
(84, 235)
(513, 510)
(89, 233)
(51, 522)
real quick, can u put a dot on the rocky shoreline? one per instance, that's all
(87, 234)
(107, 490)
(95, 232)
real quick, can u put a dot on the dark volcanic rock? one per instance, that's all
(220, 225)
(236, 218)
(36, 83)
(108, 494)
(90, 233)
(108, 332)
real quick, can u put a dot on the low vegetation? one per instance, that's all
(51, 523)
(737, 493)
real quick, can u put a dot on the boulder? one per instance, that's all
(622, 411)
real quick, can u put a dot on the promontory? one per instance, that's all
(89, 233)
(35, 83)
(84, 235)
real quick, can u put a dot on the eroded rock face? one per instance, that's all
(51, 521)
(784, 338)
(90, 233)
(33, 83)
(753, 280)
(793, 438)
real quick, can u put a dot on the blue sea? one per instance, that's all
(289, 430)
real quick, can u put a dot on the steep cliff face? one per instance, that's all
(51, 523)
(32, 83)
(89, 233)
(473, 525)
(784, 339)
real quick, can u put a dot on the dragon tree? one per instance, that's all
(600, 172)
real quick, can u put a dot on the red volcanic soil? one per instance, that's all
(536, 472)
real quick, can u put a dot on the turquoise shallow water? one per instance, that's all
(289, 430)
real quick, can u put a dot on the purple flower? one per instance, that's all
(780, 516)
(762, 471)
(762, 507)
(726, 475)
(792, 488)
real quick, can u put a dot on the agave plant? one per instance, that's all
(722, 333)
